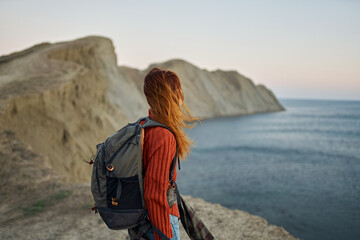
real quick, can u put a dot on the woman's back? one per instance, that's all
(163, 92)
(158, 153)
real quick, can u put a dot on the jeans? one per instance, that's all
(174, 221)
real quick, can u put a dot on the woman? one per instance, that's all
(165, 97)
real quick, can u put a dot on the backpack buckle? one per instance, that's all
(113, 202)
(110, 167)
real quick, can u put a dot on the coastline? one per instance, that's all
(240, 115)
(64, 99)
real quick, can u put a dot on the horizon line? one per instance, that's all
(318, 99)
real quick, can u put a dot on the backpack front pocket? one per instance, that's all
(123, 193)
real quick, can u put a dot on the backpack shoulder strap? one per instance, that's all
(152, 123)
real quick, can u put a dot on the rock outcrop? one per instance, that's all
(57, 101)
(212, 93)
(63, 98)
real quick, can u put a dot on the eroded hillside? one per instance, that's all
(57, 101)
(64, 98)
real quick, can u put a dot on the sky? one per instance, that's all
(306, 49)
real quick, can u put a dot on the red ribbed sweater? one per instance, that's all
(158, 152)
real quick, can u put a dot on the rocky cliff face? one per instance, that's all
(216, 93)
(64, 98)
(57, 101)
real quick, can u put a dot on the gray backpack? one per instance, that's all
(117, 178)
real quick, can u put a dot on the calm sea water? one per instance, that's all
(299, 168)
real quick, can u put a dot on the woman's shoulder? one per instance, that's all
(159, 133)
(159, 139)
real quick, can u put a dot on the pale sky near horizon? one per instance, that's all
(298, 49)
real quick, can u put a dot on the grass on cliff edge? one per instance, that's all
(41, 204)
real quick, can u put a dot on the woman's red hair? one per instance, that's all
(164, 94)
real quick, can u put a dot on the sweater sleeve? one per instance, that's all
(160, 154)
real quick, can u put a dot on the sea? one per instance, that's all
(298, 168)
